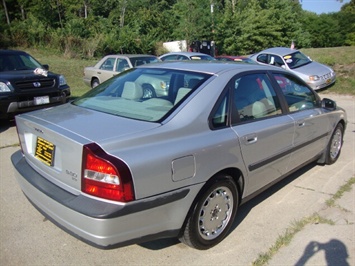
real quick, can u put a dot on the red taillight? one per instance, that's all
(105, 176)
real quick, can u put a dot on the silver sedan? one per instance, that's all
(316, 75)
(173, 56)
(113, 168)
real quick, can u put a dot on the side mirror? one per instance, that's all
(46, 67)
(329, 104)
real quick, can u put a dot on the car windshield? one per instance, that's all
(147, 94)
(10, 62)
(296, 60)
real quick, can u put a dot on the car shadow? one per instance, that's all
(248, 206)
(6, 124)
(243, 210)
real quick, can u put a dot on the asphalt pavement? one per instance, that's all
(289, 224)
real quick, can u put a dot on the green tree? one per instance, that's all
(191, 20)
(346, 18)
(256, 25)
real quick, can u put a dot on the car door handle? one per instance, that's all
(250, 139)
(98, 72)
(301, 123)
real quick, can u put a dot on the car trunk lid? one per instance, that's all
(53, 145)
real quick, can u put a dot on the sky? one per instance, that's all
(322, 6)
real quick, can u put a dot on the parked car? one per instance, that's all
(114, 169)
(174, 56)
(316, 75)
(26, 85)
(111, 65)
(233, 58)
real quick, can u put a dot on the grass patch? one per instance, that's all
(342, 60)
(344, 188)
(285, 239)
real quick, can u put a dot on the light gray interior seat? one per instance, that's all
(132, 91)
(181, 94)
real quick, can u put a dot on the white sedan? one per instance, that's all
(111, 65)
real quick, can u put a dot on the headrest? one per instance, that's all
(132, 91)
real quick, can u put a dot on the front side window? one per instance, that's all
(276, 60)
(298, 96)
(108, 64)
(255, 97)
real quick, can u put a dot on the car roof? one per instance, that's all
(210, 67)
(131, 55)
(186, 53)
(279, 50)
(231, 56)
(8, 52)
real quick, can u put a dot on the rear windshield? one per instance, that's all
(142, 93)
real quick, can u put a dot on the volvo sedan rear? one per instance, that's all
(114, 168)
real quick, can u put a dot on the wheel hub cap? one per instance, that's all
(215, 213)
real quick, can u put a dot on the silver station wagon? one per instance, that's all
(114, 168)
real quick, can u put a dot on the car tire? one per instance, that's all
(148, 91)
(335, 144)
(212, 215)
(95, 83)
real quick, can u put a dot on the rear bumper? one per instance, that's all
(100, 223)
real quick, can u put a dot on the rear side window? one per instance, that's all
(255, 97)
(298, 96)
(220, 115)
(262, 58)
(121, 65)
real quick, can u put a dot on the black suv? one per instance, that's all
(26, 85)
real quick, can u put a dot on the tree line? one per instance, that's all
(88, 28)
